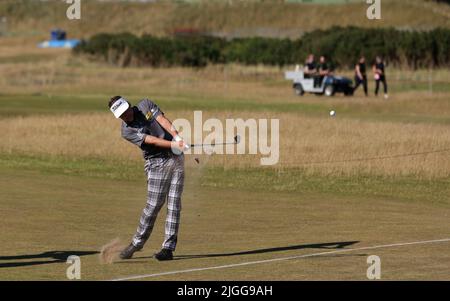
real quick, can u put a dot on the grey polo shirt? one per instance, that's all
(143, 124)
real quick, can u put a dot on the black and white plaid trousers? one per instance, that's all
(165, 180)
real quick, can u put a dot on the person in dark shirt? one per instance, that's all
(361, 75)
(322, 70)
(380, 76)
(310, 67)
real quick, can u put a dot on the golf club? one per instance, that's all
(237, 139)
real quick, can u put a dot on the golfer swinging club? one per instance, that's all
(145, 126)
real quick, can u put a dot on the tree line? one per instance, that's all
(342, 46)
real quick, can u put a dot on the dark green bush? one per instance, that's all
(342, 46)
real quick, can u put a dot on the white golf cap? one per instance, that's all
(119, 107)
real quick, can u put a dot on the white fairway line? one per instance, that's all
(281, 259)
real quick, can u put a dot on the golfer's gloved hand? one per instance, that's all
(183, 146)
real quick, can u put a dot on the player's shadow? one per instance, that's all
(50, 257)
(327, 246)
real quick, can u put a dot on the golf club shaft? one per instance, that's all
(212, 144)
(237, 139)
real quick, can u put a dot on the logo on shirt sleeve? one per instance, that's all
(151, 113)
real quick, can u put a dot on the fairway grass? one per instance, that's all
(405, 108)
(58, 200)
(48, 215)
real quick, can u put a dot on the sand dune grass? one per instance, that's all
(237, 18)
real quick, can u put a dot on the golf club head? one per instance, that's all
(237, 139)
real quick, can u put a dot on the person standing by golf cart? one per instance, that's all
(361, 75)
(146, 126)
(380, 76)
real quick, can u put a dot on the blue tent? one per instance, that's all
(58, 40)
(59, 44)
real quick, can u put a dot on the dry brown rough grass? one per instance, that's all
(310, 140)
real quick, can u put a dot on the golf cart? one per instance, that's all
(329, 85)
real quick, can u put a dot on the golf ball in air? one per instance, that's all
(332, 113)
